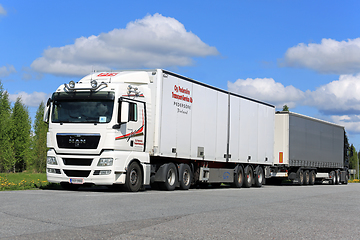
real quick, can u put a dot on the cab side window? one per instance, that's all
(133, 116)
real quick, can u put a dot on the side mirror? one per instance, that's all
(47, 111)
(124, 116)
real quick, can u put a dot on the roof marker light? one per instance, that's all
(71, 84)
(93, 83)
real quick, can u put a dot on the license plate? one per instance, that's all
(76, 180)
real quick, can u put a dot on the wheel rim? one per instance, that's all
(248, 177)
(133, 177)
(171, 177)
(240, 177)
(186, 177)
(260, 176)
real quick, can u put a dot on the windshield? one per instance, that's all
(82, 111)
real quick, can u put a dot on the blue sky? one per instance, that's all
(305, 54)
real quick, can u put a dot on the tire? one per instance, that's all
(186, 177)
(238, 178)
(337, 177)
(258, 176)
(306, 177)
(300, 177)
(332, 178)
(170, 178)
(346, 178)
(312, 176)
(134, 179)
(248, 177)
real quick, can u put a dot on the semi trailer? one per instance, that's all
(308, 149)
(136, 128)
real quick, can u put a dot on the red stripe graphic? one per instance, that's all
(138, 132)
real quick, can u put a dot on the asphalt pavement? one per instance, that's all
(270, 212)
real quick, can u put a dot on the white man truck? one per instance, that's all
(154, 127)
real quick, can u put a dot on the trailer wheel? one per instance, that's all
(300, 177)
(248, 176)
(332, 178)
(346, 178)
(239, 177)
(259, 176)
(133, 180)
(170, 178)
(312, 177)
(306, 177)
(186, 177)
(337, 177)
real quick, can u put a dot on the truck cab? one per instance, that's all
(97, 130)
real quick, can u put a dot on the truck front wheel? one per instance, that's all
(133, 180)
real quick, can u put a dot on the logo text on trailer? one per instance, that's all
(182, 94)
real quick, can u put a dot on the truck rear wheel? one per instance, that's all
(186, 177)
(239, 177)
(248, 176)
(170, 178)
(133, 180)
(259, 176)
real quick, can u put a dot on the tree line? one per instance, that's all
(21, 147)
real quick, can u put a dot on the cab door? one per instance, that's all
(132, 119)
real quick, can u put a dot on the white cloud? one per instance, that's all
(350, 122)
(152, 42)
(266, 89)
(330, 56)
(2, 10)
(6, 71)
(337, 97)
(30, 99)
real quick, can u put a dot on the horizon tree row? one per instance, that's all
(21, 149)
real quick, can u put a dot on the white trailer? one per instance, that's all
(154, 127)
(309, 149)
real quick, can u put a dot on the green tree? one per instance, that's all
(353, 157)
(6, 145)
(39, 140)
(285, 108)
(21, 129)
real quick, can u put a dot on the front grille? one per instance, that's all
(76, 173)
(78, 161)
(77, 141)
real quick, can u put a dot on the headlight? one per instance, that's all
(51, 161)
(105, 162)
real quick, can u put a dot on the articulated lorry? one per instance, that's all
(308, 149)
(154, 127)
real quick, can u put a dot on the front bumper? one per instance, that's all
(83, 169)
